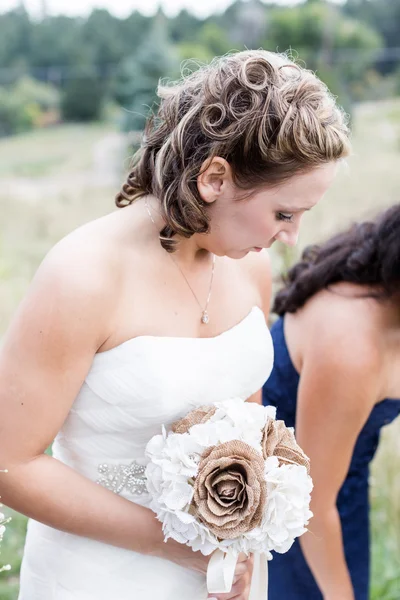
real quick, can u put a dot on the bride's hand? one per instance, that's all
(181, 554)
(241, 582)
(185, 557)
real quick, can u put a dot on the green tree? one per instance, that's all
(339, 48)
(13, 116)
(44, 96)
(54, 43)
(249, 23)
(212, 37)
(319, 32)
(24, 105)
(194, 51)
(139, 74)
(184, 27)
(384, 17)
(210, 41)
(83, 95)
(15, 38)
(101, 31)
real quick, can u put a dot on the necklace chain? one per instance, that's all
(204, 311)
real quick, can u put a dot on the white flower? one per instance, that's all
(248, 418)
(212, 433)
(155, 446)
(173, 463)
(244, 414)
(287, 511)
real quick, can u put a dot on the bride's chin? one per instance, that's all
(237, 254)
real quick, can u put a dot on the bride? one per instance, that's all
(137, 317)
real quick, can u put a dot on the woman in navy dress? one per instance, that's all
(336, 379)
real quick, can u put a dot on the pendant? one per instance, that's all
(205, 318)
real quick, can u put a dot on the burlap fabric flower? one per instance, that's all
(278, 440)
(195, 417)
(230, 489)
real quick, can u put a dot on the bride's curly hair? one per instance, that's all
(366, 254)
(267, 116)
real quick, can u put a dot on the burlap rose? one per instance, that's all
(195, 417)
(230, 489)
(278, 440)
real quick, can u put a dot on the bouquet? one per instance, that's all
(229, 478)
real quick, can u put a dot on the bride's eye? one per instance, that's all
(284, 217)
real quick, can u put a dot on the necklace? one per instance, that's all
(204, 311)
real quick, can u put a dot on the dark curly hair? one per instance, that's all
(367, 254)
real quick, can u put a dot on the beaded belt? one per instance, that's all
(119, 478)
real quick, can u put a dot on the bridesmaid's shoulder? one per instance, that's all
(341, 329)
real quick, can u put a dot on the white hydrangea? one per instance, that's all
(248, 418)
(288, 507)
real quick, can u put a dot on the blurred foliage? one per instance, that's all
(11, 553)
(83, 95)
(384, 17)
(101, 59)
(27, 104)
(396, 82)
(139, 74)
(318, 30)
(337, 47)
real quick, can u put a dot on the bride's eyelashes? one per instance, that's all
(284, 217)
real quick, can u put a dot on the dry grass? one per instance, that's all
(51, 182)
(61, 149)
(36, 211)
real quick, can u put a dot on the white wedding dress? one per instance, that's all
(129, 392)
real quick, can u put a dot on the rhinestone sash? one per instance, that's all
(119, 478)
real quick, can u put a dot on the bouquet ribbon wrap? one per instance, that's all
(221, 570)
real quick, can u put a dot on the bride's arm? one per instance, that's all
(46, 355)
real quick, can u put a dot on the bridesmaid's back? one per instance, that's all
(290, 576)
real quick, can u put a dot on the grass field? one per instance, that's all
(52, 181)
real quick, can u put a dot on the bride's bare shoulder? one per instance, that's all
(88, 253)
(80, 279)
(94, 251)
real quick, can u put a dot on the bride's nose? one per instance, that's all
(289, 238)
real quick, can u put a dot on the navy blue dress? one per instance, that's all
(290, 576)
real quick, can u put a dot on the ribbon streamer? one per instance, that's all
(221, 571)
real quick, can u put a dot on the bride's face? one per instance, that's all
(243, 222)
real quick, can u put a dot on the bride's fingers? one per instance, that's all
(242, 557)
(239, 591)
(244, 562)
(243, 566)
(241, 581)
(240, 570)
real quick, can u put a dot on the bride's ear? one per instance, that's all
(215, 176)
